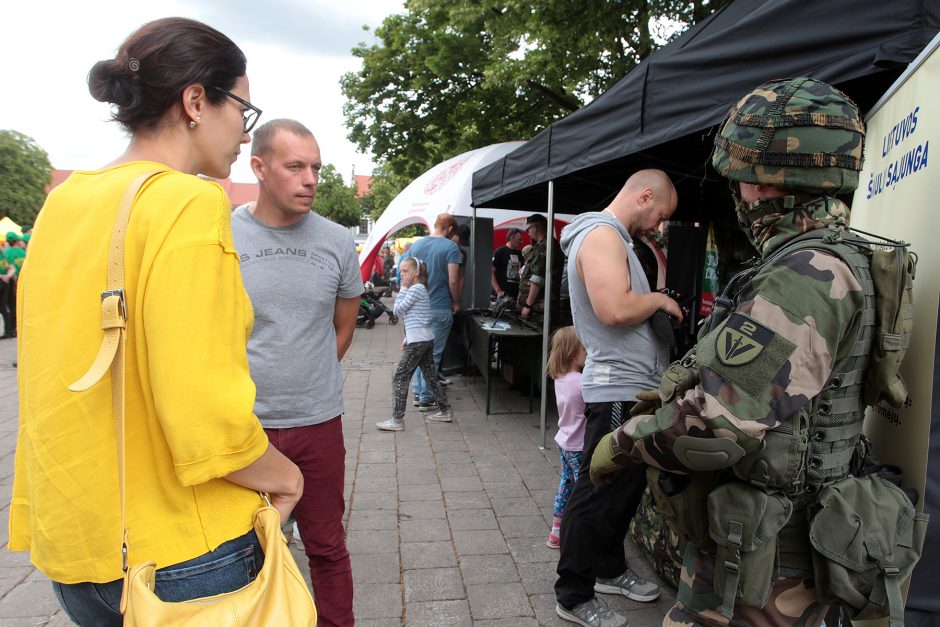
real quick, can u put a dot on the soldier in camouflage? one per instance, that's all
(787, 147)
(531, 299)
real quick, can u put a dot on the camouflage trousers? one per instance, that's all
(791, 602)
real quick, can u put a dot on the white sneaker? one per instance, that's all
(446, 415)
(392, 424)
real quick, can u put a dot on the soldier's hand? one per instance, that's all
(648, 401)
(607, 459)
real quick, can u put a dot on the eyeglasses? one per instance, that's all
(249, 117)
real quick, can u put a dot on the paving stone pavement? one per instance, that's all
(446, 523)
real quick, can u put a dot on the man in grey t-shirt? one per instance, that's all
(302, 275)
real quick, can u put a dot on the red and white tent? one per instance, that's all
(445, 188)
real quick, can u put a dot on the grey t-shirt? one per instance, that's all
(293, 276)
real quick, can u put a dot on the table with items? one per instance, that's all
(519, 342)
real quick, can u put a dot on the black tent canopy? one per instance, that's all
(661, 114)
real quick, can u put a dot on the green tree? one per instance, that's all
(25, 172)
(450, 76)
(335, 199)
(385, 186)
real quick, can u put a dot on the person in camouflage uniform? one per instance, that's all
(787, 147)
(531, 299)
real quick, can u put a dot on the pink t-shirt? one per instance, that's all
(571, 418)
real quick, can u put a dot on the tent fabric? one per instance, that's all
(445, 188)
(7, 225)
(688, 86)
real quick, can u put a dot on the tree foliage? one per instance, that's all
(335, 199)
(450, 76)
(385, 186)
(25, 172)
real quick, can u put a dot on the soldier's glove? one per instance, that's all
(607, 459)
(647, 402)
(680, 376)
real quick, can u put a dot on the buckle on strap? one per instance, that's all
(113, 309)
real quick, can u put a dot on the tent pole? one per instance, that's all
(471, 263)
(546, 323)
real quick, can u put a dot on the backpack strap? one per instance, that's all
(892, 579)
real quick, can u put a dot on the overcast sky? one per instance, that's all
(297, 50)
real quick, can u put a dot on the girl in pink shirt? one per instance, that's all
(565, 363)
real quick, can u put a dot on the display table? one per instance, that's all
(519, 345)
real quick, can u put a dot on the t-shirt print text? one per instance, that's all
(288, 254)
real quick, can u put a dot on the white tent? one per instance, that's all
(445, 188)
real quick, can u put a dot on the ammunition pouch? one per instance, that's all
(866, 539)
(683, 502)
(679, 377)
(744, 523)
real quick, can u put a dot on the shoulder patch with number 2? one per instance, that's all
(741, 340)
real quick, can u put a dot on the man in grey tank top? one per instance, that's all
(611, 303)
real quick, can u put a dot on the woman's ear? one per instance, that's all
(194, 103)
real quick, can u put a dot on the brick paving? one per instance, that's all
(446, 523)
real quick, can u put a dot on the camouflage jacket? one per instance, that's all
(533, 271)
(772, 355)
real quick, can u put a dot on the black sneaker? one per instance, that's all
(443, 380)
(426, 406)
(417, 400)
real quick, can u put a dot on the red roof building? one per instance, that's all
(238, 193)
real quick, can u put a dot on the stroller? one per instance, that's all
(371, 309)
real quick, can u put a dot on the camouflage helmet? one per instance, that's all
(795, 133)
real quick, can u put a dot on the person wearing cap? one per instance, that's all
(507, 261)
(530, 301)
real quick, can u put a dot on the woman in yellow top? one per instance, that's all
(196, 455)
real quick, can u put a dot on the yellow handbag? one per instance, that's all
(278, 595)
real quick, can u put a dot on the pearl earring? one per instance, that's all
(192, 124)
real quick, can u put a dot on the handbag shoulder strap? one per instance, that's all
(113, 323)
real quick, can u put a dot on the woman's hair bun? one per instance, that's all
(112, 81)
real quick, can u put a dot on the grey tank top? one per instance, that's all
(621, 361)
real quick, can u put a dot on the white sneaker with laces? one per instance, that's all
(392, 424)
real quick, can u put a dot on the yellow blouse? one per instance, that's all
(189, 395)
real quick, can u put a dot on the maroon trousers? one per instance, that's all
(319, 452)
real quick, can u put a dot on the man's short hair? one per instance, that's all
(463, 232)
(513, 232)
(445, 223)
(536, 218)
(264, 134)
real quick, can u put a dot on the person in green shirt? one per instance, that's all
(6, 277)
(13, 256)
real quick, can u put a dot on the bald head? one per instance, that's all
(647, 199)
(655, 180)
